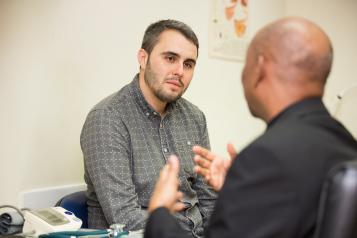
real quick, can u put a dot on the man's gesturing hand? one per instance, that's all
(166, 192)
(213, 167)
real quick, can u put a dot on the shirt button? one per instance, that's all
(147, 114)
(165, 150)
(188, 142)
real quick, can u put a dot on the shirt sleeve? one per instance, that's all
(205, 193)
(105, 144)
(161, 224)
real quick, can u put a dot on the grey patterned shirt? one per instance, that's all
(126, 143)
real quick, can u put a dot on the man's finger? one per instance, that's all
(179, 206)
(199, 150)
(164, 172)
(179, 195)
(174, 163)
(232, 151)
(202, 162)
(174, 166)
(202, 171)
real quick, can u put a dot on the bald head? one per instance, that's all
(300, 49)
(287, 61)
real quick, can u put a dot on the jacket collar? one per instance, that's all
(301, 109)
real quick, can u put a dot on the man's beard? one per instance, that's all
(154, 84)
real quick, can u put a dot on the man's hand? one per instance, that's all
(166, 192)
(213, 167)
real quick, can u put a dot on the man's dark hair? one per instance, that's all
(152, 33)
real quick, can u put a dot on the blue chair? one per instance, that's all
(76, 203)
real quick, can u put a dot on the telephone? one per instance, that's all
(53, 219)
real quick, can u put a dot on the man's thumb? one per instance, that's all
(174, 164)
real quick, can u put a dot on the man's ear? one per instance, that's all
(260, 71)
(143, 58)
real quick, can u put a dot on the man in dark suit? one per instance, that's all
(272, 188)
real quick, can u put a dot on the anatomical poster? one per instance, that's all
(229, 29)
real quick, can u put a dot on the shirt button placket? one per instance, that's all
(164, 147)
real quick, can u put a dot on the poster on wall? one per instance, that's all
(229, 29)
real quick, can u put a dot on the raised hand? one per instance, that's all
(166, 192)
(213, 167)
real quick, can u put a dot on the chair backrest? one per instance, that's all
(337, 217)
(76, 203)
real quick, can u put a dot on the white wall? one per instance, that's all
(59, 58)
(339, 20)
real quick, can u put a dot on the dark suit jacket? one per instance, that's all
(273, 187)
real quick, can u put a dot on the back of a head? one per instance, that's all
(300, 50)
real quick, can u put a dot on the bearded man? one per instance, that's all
(128, 137)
